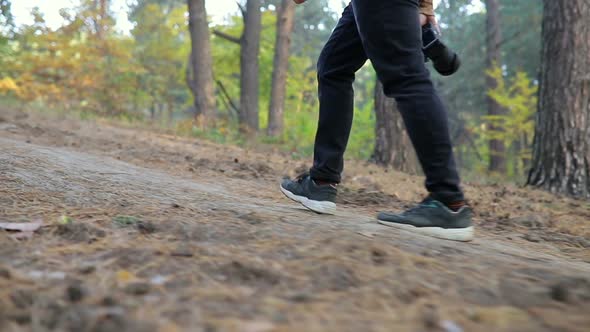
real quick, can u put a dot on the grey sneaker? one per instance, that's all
(433, 218)
(318, 198)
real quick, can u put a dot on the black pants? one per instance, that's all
(388, 33)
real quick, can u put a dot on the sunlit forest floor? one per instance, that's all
(173, 234)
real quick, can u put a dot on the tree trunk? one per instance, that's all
(99, 22)
(201, 64)
(493, 58)
(249, 67)
(170, 109)
(285, 23)
(561, 149)
(153, 111)
(392, 144)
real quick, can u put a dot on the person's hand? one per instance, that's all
(428, 19)
(299, 1)
(424, 19)
(427, 14)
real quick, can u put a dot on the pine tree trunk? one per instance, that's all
(561, 150)
(285, 24)
(249, 67)
(200, 80)
(392, 144)
(493, 58)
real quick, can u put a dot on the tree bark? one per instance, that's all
(99, 22)
(493, 58)
(392, 144)
(201, 81)
(249, 67)
(285, 24)
(561, 149)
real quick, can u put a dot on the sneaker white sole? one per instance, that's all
(316, 206)
(453, 234)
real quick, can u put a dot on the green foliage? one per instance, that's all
(463, 27)
(521, 30)
(301, 105)
(138, 8)
(162, 49)
(313, 25)
(464, 32)
(125, 221)
(362, 137)
(73, 67)
(518, 96)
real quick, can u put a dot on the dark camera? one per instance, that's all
(444, 60)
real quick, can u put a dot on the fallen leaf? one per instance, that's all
(21, 226)
(124, 276)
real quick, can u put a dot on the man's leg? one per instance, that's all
(392, 38)
(342, 56)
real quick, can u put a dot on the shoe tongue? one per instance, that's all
(427, 200)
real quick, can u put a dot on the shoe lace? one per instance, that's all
(302, 176)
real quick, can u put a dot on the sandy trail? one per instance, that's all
(216, 247)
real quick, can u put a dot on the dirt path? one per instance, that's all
(172, 235)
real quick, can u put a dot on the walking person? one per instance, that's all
(387, 32)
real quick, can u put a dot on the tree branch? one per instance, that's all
(227, 37)
(228, 99)
(243, 10)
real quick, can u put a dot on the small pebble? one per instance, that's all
(20, 317)
(75, 293)
(5, 273)
(22, 298)
(87, 269)
(146, 227)
(109, 301)
(532, 237)
(138, 288)
(449, 326)
(182, 253)
(430, 316)
(301, 297)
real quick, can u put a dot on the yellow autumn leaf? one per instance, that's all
(7, 84)
(124, 276)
